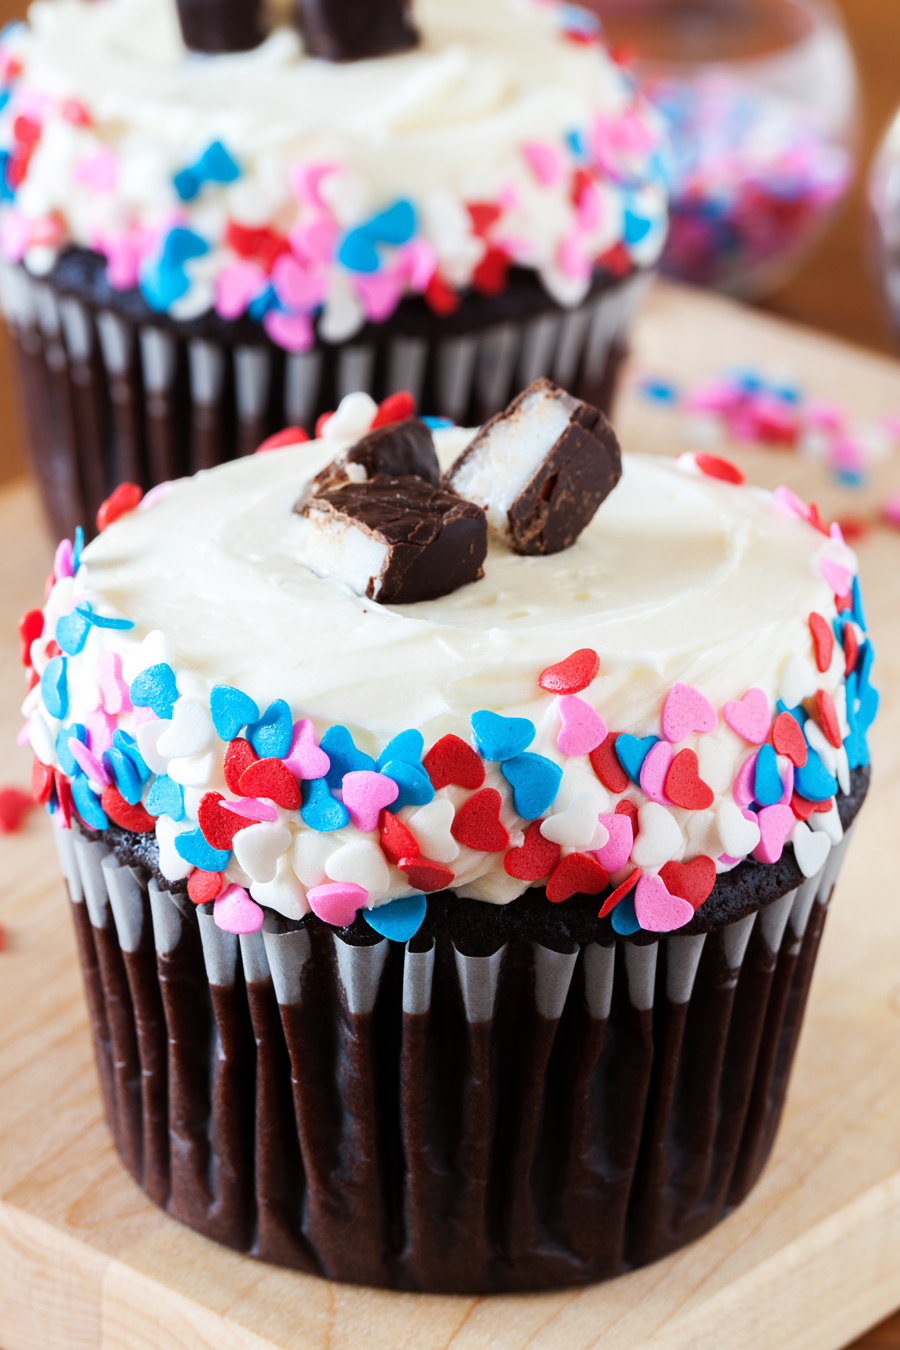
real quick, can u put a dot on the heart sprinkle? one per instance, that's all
(426, 875)
(535, 782)
(576, 874)
(535, 859)
(239, 755)
(686, 710)
(573, 674)
(615, 853)
(828, 718)
(619, 893)
(451, 760)
(607, 766)
(498, 738)
(582, 730)
(304, 758)
(477, 823)
(631, 753)
(395, 839)
(684, 786)
(654, 771)
(823, 641)
(272, 779)
(399, 920)
(775, 824)
(337, 902)
(658, 911)
(235, 912)
(204, 886)
(749, 716)
(693, 881)
(365, 793)
(788, 739)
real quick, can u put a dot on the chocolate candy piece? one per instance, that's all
(393, 451)
(350, 30)
(221, 25)
(394, 540)
(540, 469)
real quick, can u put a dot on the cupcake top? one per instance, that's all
(688, 683)
(311, 193)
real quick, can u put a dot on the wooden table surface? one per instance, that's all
(807, 1263)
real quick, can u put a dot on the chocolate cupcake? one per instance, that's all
(461, 944)
(212, 231)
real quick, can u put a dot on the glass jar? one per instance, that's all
(761, 101)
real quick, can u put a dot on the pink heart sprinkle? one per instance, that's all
(728, 861)
(839, 578)
(657, 910)
(686, 710)
(418, 261)
(114, 693)
(380, 293)
(365, 793)
(293, 332)
(98, 171)
(142, 715)
(574, 256)
(775, 824)
(305, 759)
(297, 287)
(90, 764)
(313, 241)
(100, 727)
(744, 785)
(583, 729)
(304, 180)
(545, 161)
(62, 561)
(614, 855)
(236, 286)
(654, 770)
(235, 912)
(251, 808)
(337, 901)
(749, 716)
(790, 503)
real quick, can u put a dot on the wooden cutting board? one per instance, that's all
(810, 1260)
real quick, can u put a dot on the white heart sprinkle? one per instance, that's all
(353, 417)
(155, 650)
(737, 835)
(309, 853)
(659, 837)
(829, 823)
(576, 778)
(147, 735)
(702, 835)
(362, 862)
(431, 827)
(171, 863)
(236, 874)
(840, 707)
(577, 825)
(823, 748)
(191, 730)
(284, 893)
(715, 764)
(842, 770)
(43, 740)
(810, 849)
(192, 771)
(798, 681)
(259, 847)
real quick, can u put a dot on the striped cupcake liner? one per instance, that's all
(106, 400)
(431, 1120)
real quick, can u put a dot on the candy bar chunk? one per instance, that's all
(394, 540)
(217, 26)
(350, 30)
(393, 451)
(540, 469)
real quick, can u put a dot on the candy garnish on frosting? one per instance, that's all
(217, 26)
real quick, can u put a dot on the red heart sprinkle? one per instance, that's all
(396, 840)
(536, 858)
(53, 649)
(122, 813)
(619, 893)
(577, 874)
(41, 782)
(204, 886)
(803, 809)
(851, 648)
(31, 626)
(451, 760)
(823, 640)
(788, 739)
(605, 763)
(272, 779)
(426, 875)
(573, 674)
(395, 408)
(828, 718)
(842, 602)
(125, 498)
(477, 823)
(63, 796)
(239, 755)
(714, 467)
(626, 807)
(289, 436)
(219, 827)
(691, 881)
(14, 807)
(685, 787)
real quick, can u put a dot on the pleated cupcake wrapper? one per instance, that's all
(106, 401)
(431, 1120)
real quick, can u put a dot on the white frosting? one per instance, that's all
(483, 111)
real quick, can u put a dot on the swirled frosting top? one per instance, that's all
(271, 182)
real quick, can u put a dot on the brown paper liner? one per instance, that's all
(422, 1119)
(109, 397)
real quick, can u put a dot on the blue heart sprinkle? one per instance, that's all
(868, 708)
(321, 811)
(534, 781)
(631, 753)
(195, 850)
(260, 305)
(187, 184)
(396, 225)
(624, 917)
(437, 423)
(216, 165)
(271, 734)
(166, 798)
(813, 781)
(357, 252)
(414, 784)
(54, 689)
(859, 613)
(101, 620)
(77, 549)
(408, 746)
(155, 688)
(72, 631)
(575, 142)
(398, 920)
(864, 664)
(87, 804)
(498, 738)
(67, 761)
(182, 244)
(128, 745)
(230, 710)
(767, 785)
(162, 283)
(838, 625)
(345, 758)
(121, 769)
(636, 228)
